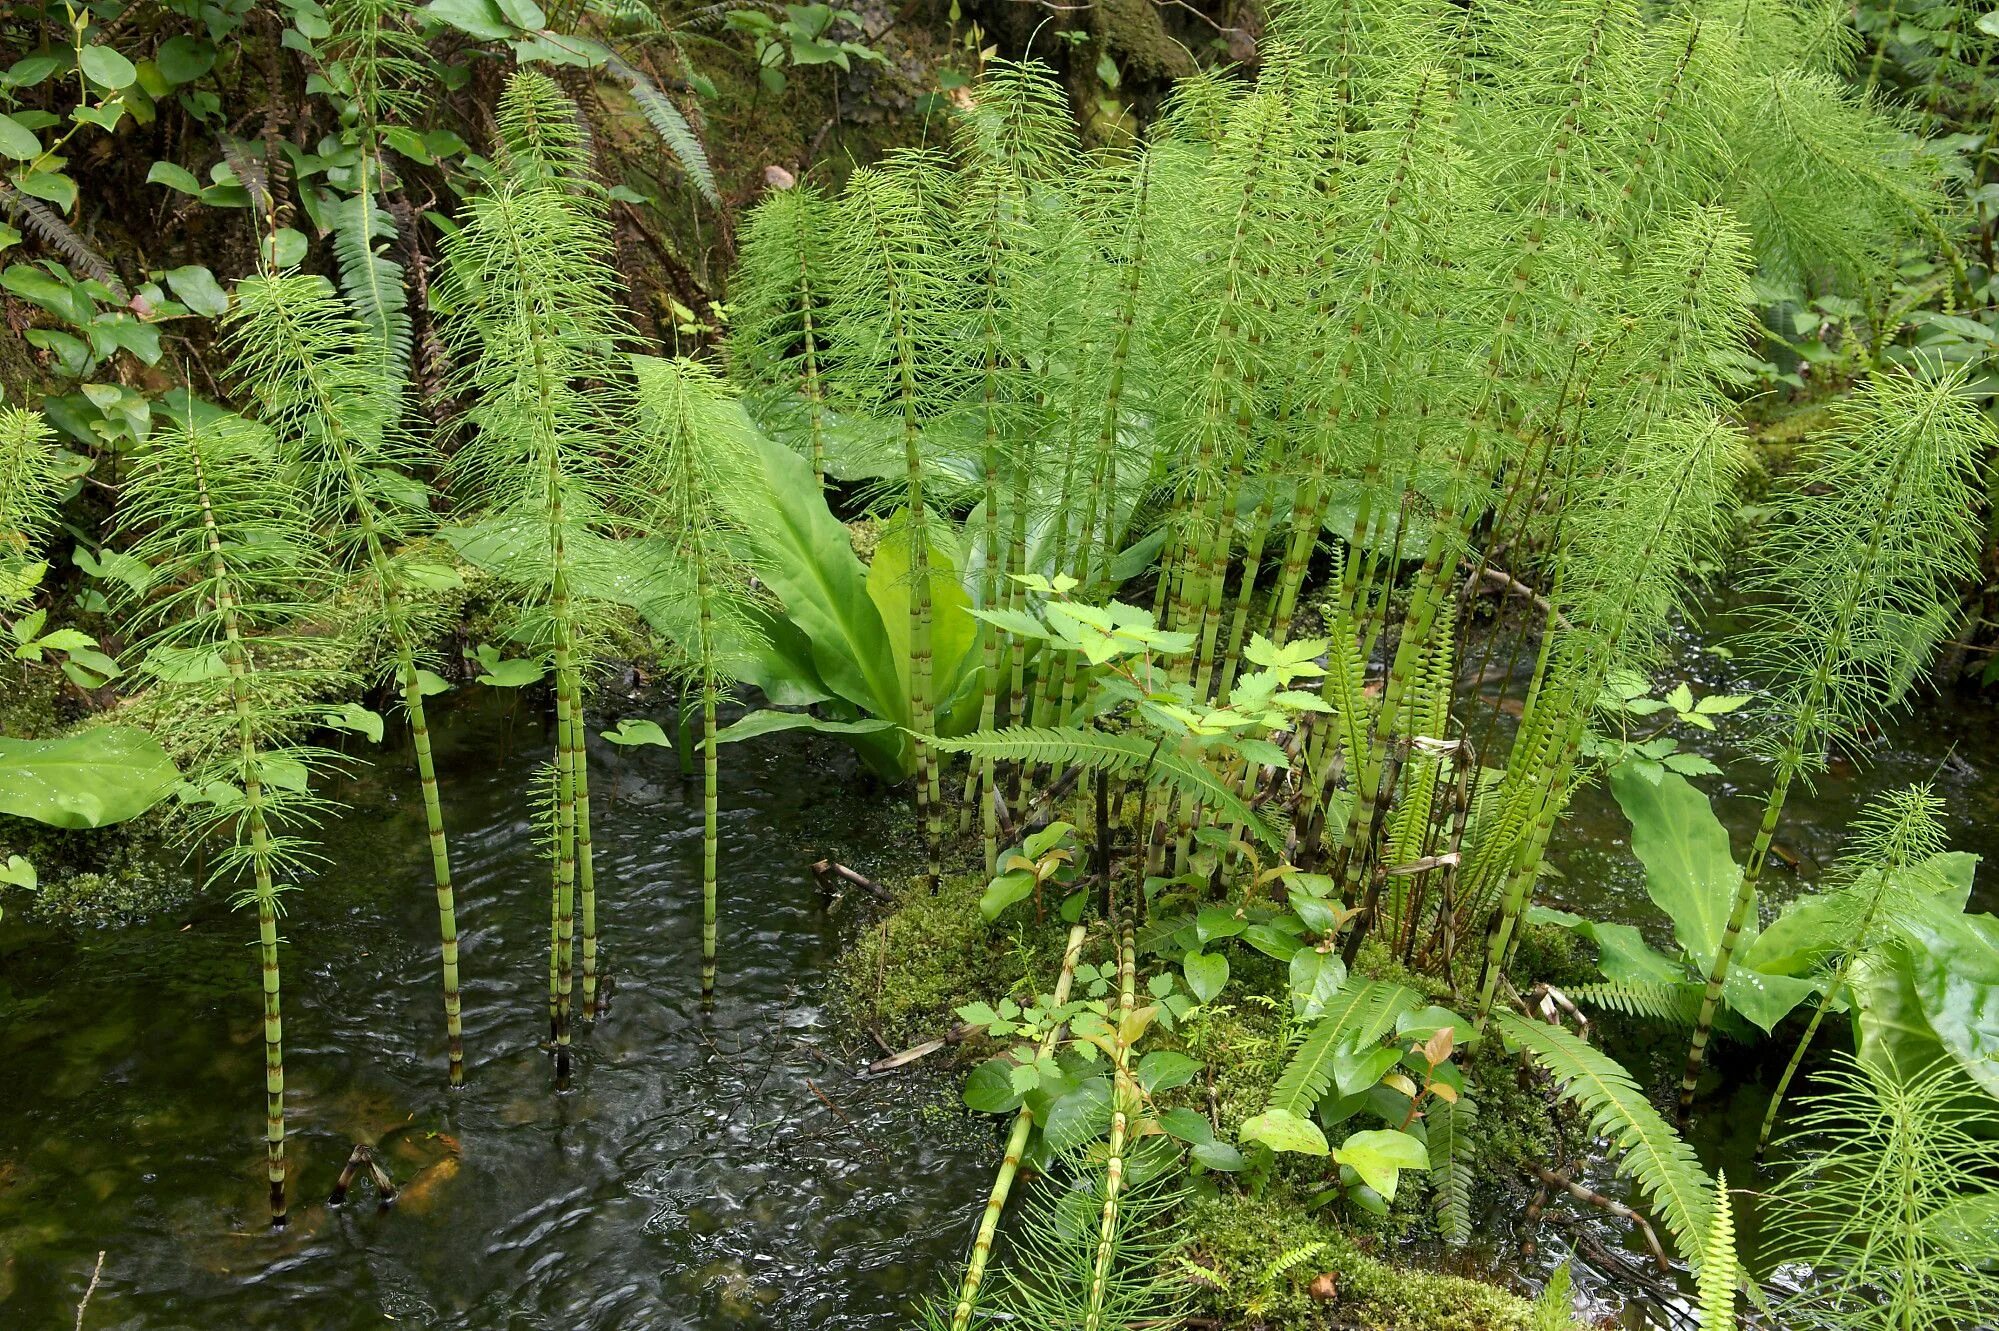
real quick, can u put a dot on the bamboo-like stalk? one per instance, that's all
(1124, 1104)
(704, 591)
(265, 892)
(1790, 760)
(586, 857)
(564, 938)
(1016, 1146)
(440, 861)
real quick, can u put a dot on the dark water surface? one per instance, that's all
(707, 1171)
(695, 1176)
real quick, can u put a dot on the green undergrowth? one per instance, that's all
(905, 972)
(125, 873)
(1266, 1262)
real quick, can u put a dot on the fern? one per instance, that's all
(35, 217)
(1719, 1265)
(373, 282)
(1117, 755)
(1656, 1157)
(671, 125)
(1657, 1000)
(1359, 1014)
(1449, 1125)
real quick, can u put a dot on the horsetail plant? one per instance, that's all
(529, 283)
(29, 501)
(1887, 869)
(329, 396)
(892, 275)
(1856, 577)
(690, 459)
(234, 570)
(1016, 1148)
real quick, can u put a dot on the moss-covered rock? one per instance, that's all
(1266, 1262)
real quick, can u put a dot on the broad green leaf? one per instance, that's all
(1188, 1125)
(1206, 973)
(107, 68)
(1356, 1070)
(501, 674)
(480, 18)
(1315, 977)
(17, 140)
(806, 558)
(353, 716)
(90, 779)
(18, 872)
(1217, 922)
(1083, 1115)
(953, 630)
(1379, 1156)
(183, 59)
(1219, 1156)
(989, 1089)
(767, 722)
(1890, 1031)
(1953, 967)
(634, 730)
(1164, 1069)
(1004, 891)
(174, 177)
(196, 287)
(1689, 872)
(1282, 1130)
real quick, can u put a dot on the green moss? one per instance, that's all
(1267, 1262)
(904, 974)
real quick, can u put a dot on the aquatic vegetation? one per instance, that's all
(233, 564)
(1282, 510)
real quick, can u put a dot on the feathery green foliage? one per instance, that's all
(1857, 579)
(330, 399)
(1885, 1202)
(234, 570)
(530, 287)
(1651, 1153)
(689, 455)
(29, 494)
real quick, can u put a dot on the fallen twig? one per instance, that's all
(1582, 1192)
(956, 1035)
(90, 1289)
(831, 869)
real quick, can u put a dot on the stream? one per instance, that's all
(728, 1169)
(715, 1170)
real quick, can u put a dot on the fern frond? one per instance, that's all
(1361, 1012)
(1719, 1266)
(373, 282)
(671, 124)
(1290, 1259)
(36, 218)
(1679, 1004)
(1657, 1158)
(1449, 1126)
(1118, 755)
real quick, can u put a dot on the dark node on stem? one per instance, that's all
(278, 1216)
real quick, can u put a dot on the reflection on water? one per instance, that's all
(695, 1177)
(700, 1174)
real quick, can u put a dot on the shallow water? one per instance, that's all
(706, 1171)
(694, 1176)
